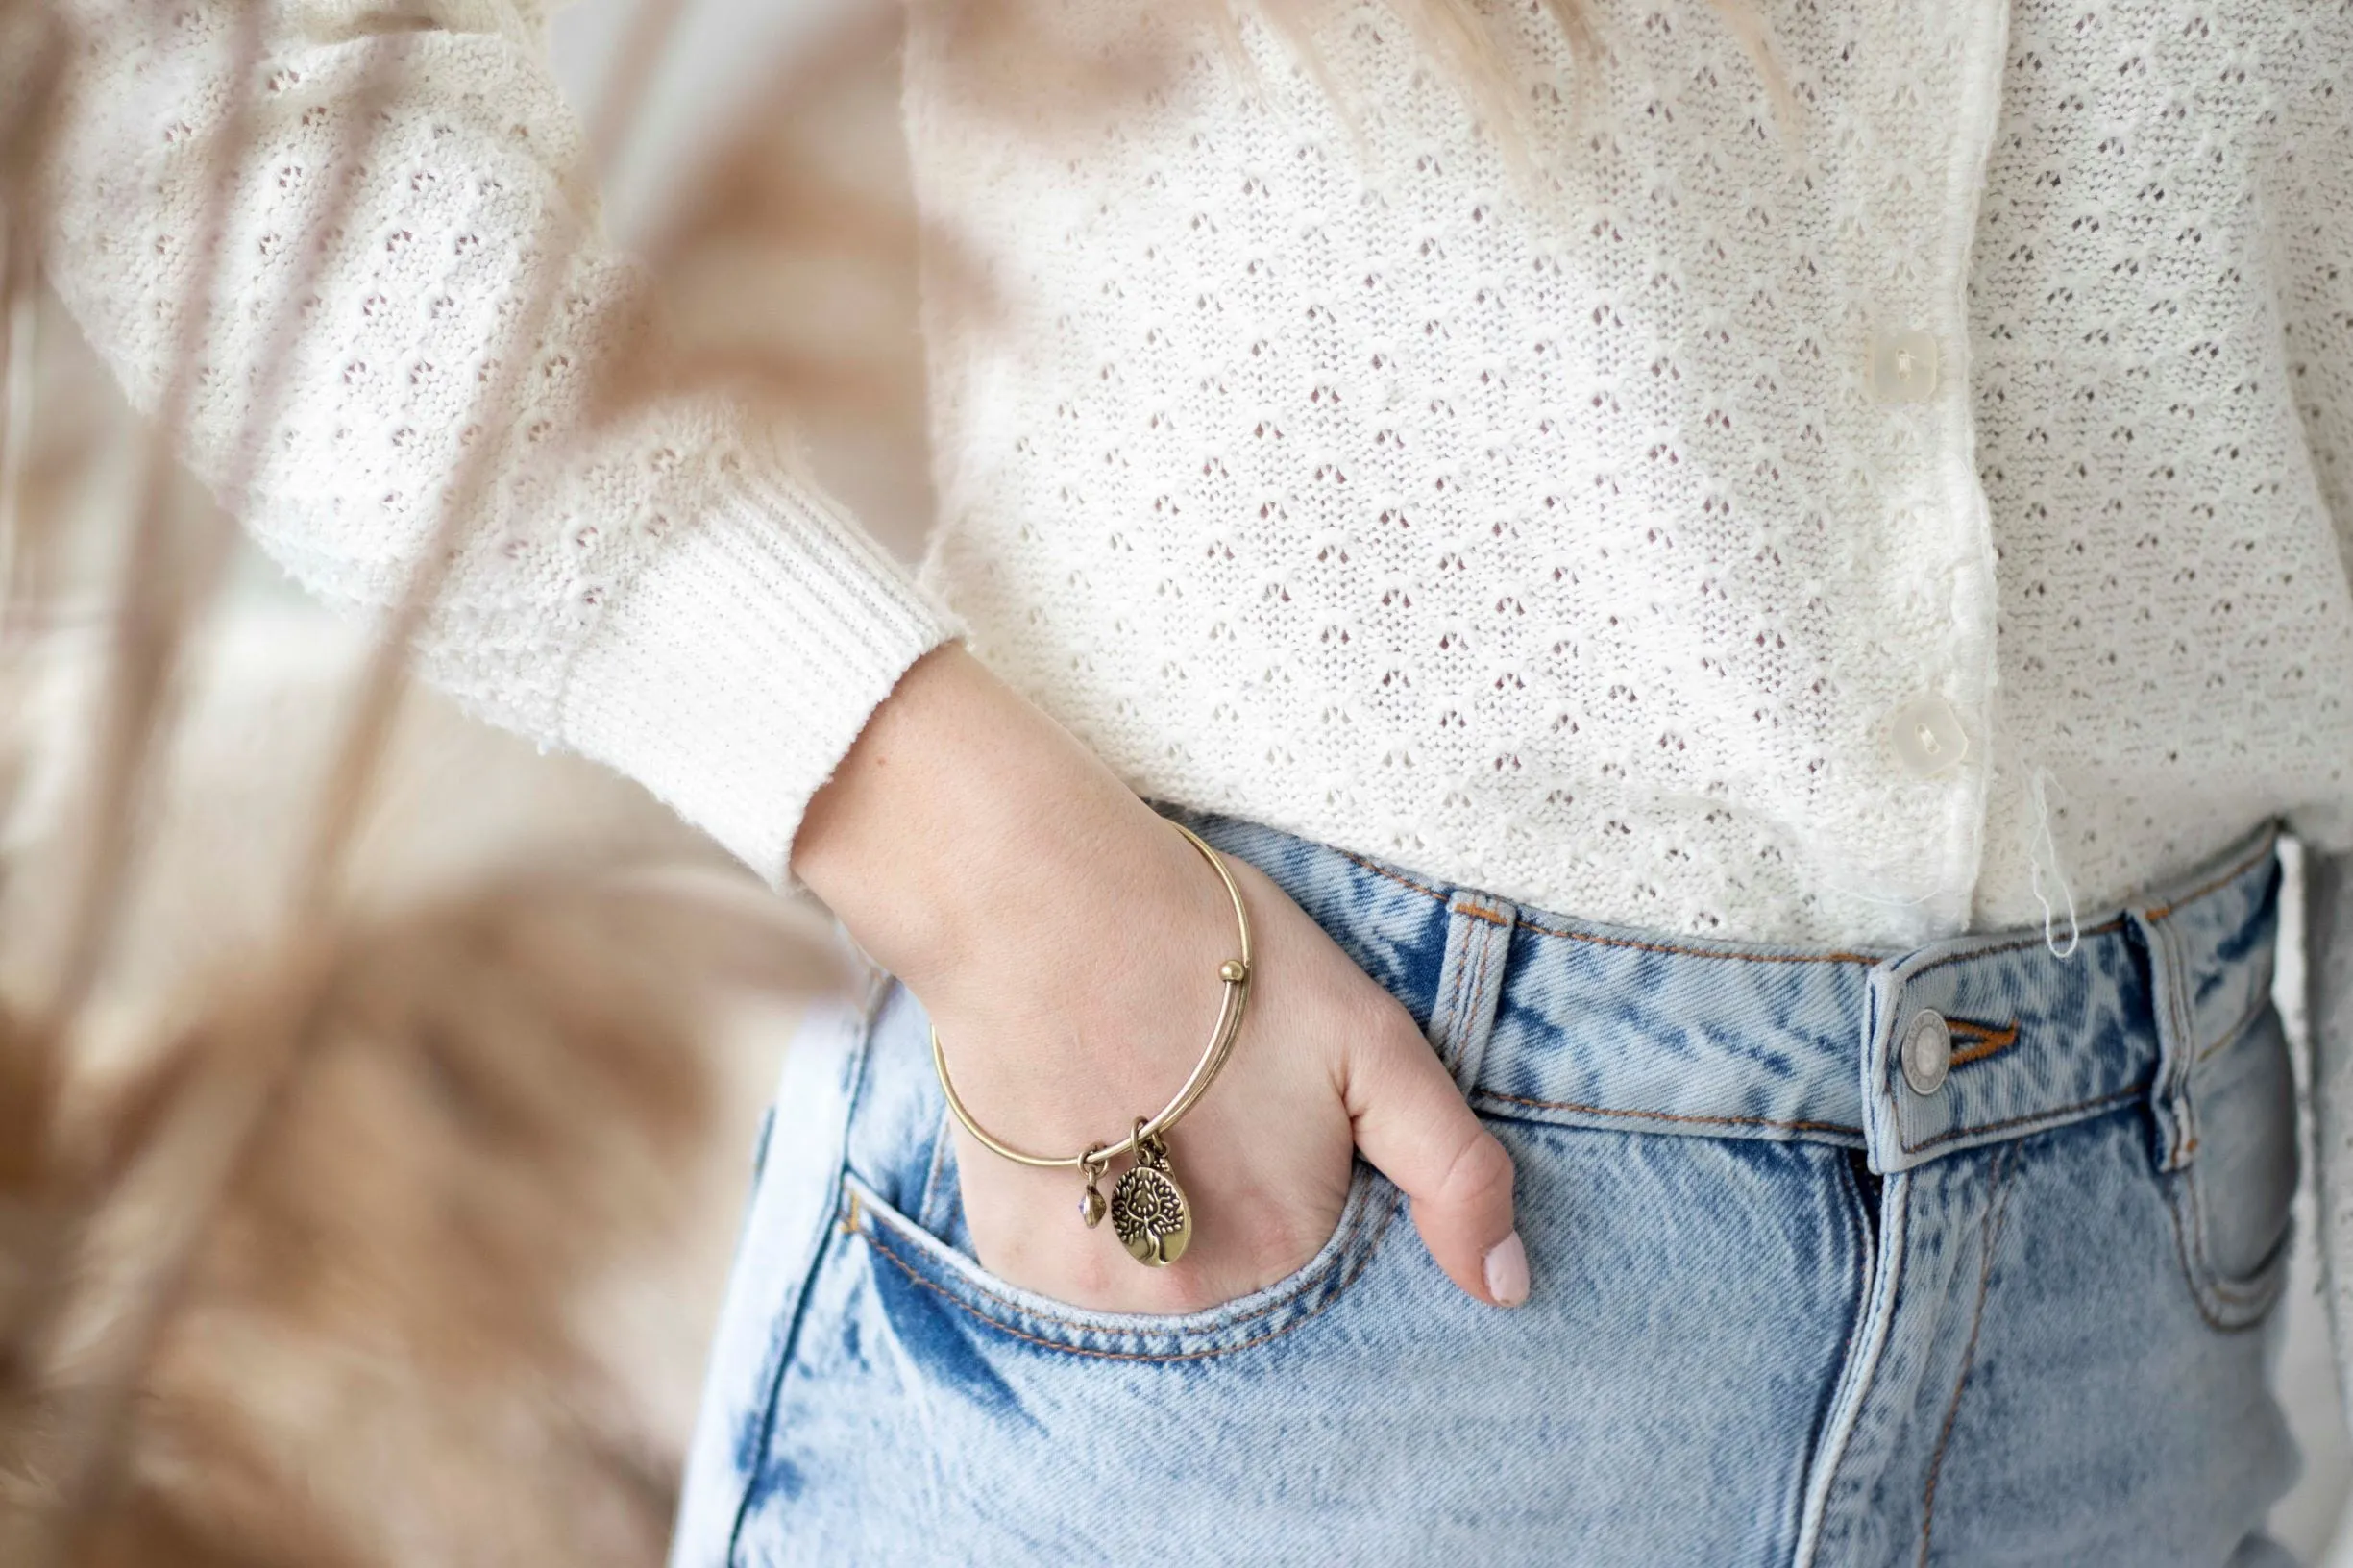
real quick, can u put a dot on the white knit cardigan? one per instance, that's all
(1915, 505)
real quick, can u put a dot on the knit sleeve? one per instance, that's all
(647, 581)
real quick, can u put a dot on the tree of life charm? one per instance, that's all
(1148, 1208)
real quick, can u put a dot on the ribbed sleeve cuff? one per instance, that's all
(730, 675)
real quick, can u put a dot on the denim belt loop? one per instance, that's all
(2172, 1113)
(1471, 980)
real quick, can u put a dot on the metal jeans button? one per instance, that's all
(1903, 366)
(1927, 1051)
(1928, 736)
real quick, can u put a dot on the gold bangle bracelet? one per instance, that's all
(1147, 1208)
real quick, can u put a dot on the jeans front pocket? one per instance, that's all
(924, 1409)
(928, 1262)
(901, 1198)
(929, 1412)
(2233, 1201)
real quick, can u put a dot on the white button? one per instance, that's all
(1927, 1052)
(1903, 366)
(1928, 736)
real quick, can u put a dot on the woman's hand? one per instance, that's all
(1066, 943)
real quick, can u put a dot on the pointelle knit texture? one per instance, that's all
(1546, 533)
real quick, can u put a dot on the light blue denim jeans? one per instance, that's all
(1801, 1295)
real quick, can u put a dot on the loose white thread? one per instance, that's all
(2044, 860)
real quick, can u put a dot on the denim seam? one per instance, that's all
(2270, 842)
(1306, 1280)
(1671, 950)
(1453, 1014)
(2256, 1291)
(1600, 940)
(1338, 1289)
(2257, 1005)
(1866, 1233)
(1379, 869)
(1997, 1209)
(1827, 1484)
(2193, 1272)
(2256, 1288)
(2261, 1284)
(1867, 1224)
(1969, 954)
(1670, 1116)
(784, 1350)
(942, 1142)
(2025, 1118)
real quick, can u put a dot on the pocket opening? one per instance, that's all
(2233, 1203)
(927, 1262)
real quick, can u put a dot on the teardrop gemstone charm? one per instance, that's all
(1091, 1204)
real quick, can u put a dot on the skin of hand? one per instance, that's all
(1065, 942)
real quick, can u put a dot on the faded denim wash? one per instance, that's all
(1787, 1308)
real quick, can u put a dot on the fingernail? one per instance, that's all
(1507, 1270)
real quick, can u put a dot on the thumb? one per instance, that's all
(1412, 1123)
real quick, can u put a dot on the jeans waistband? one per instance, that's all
(1604, 1027)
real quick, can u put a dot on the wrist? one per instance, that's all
(959, 801)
